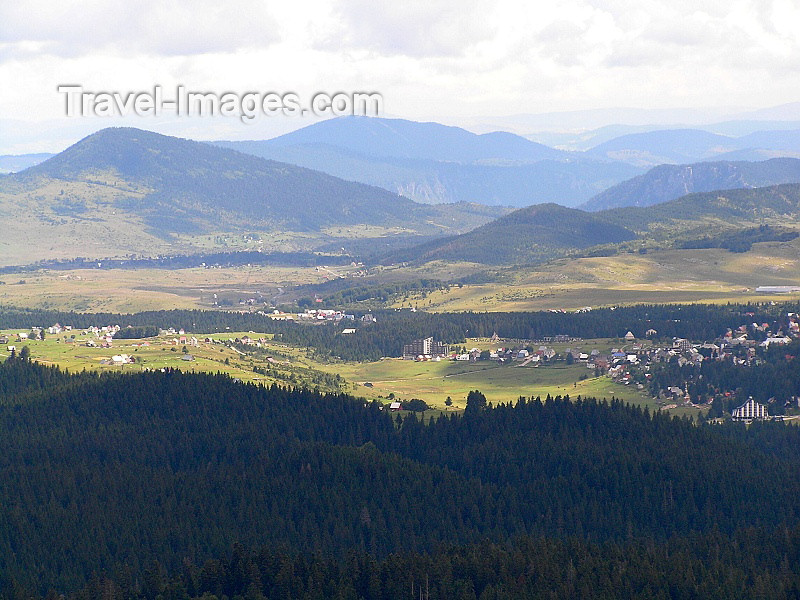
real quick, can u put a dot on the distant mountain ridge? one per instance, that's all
(543, 232)
(400, 138)
(668, 182)
(197, 180)
(531, 234)
(683, 146)
(664, 146)
(127, 191)
(13, 163)
(434, 163)
(437, 182)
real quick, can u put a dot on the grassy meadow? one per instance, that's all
(430, 381)
(669, 276)
(135, 290)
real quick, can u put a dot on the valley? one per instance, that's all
(184, 298)
(399, 301)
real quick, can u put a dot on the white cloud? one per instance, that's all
(70, 28)
(431, 59)
(419, 28)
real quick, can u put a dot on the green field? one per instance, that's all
(430, 381)
(434, 381)
(668, 276)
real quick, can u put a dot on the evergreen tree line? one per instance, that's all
(393, 329)
(187, 261)
(752, 563)
(104, 474)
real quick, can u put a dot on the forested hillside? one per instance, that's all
(129, 474)
(668, 182)
(533, 234)
(195, 182)
(542, 232)
(709, 566)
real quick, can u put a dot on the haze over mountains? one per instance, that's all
(433, 163)
(126, 190)
(668, 182)
(129, 191)
(12, 163)
(543, 232)
(692, 145)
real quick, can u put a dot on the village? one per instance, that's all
(630, 362)
(625, 361)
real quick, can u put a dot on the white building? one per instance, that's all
(749, 411)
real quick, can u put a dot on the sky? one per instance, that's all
(469, 63)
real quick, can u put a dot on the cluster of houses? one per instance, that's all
(736, 346)
(103, 336)
(429, 349)
(318, 315)
(324, 315)
(626, 364)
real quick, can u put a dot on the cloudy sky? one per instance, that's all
(460, 62)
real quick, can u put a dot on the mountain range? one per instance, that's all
(693, 145)
(434, 163)
(125, 190)
(539, 233)
(668, 182)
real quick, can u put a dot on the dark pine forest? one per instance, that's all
(177, 485)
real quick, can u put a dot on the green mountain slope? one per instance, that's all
(712, 212)
(126, 191)
(530, 234)
(668, 182)
(198, 182)
(542, 232)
